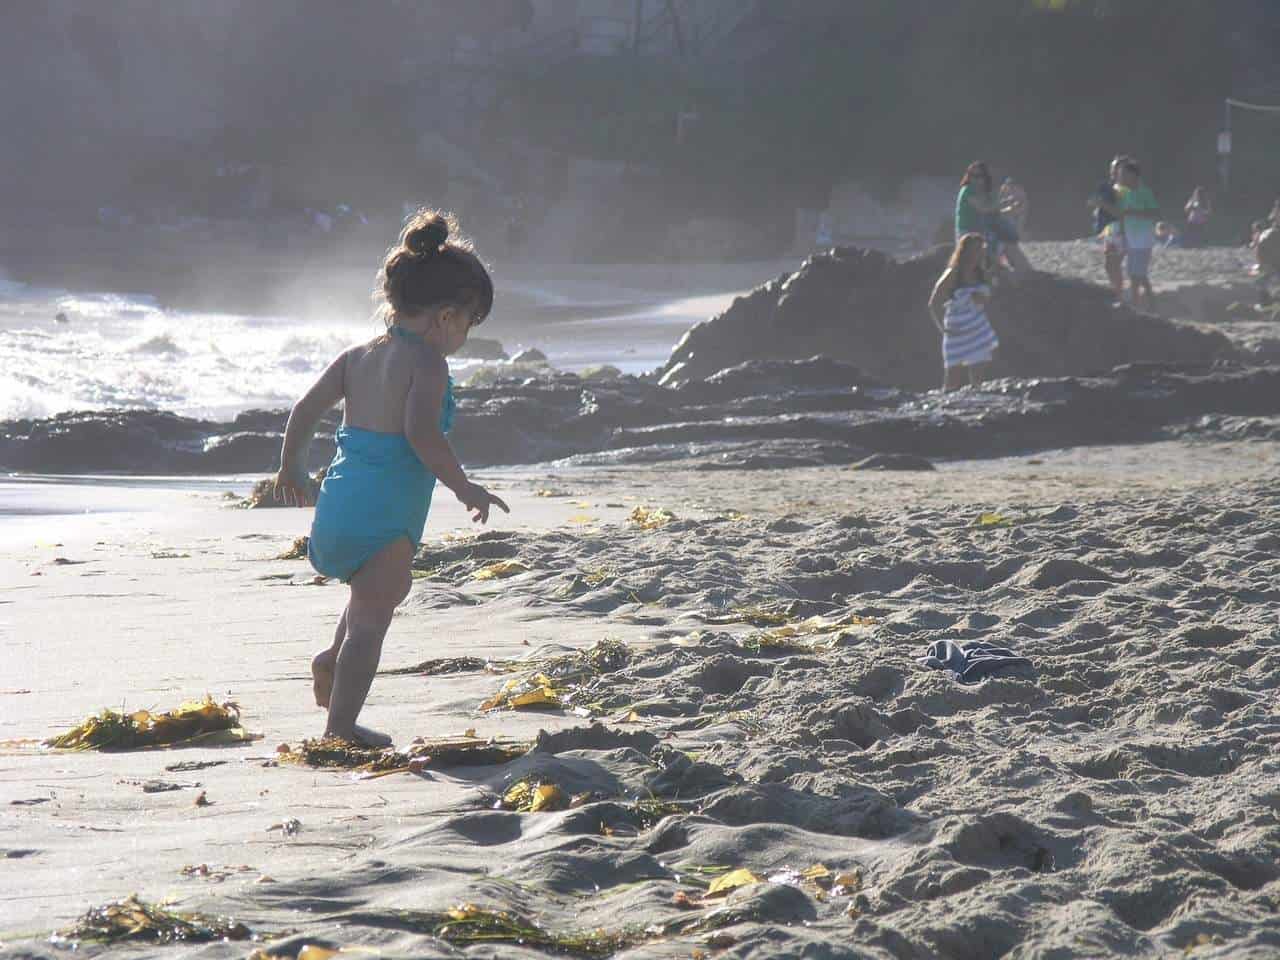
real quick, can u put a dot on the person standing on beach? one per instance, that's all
(1139, 213)
(1198, 210)
(1109, 227)
(1013, 200)
(959, 310)
(978, 211)
(398, 406)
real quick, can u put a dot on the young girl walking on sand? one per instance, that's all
(398, 406)
(959, 310)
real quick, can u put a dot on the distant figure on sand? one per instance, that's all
(1013, 200)
(959, 310)
(1258, 226)
(398, 405)
(1198, 210)
(1267, 249)
(1167, 236)
(1107, 225)
(977, 211)
(1139, 213)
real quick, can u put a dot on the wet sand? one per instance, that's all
(1117, 798)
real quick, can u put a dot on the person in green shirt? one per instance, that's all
(977, 211)
(1139, 213)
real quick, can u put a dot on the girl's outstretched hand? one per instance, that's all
(292, 488)
(478, 500)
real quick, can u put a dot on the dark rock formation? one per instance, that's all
(865, 308)
(761, 414)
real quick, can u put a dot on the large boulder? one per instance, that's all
(864, 308)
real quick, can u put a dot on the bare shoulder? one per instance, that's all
(428, 372)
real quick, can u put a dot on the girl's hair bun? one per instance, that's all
(427, 238)
(432, 264)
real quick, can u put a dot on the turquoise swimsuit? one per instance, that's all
(375, 492)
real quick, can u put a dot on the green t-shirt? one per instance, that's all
(1139, 232)
(968, 218)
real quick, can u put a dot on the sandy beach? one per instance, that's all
(1116, 797)
(880, 582)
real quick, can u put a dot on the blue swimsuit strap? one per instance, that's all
(449, 406)
(409, 335)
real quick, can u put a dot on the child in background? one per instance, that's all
(1198, 210)
(959, 309)
(1105, 202)
(1167, 235)
(1139, 212)
(398, 405)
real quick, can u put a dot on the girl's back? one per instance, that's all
(377, 378)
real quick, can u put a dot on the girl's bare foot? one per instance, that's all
(363, 736)
(322, 666)
(371, 738)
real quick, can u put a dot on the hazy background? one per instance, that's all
(606, 129)
(196, 194)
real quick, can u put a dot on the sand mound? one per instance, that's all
(865, 308)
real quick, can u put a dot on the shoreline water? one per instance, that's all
(212, 359)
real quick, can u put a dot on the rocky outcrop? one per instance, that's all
(763, 413)
(864, 308)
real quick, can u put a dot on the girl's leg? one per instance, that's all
(950, 379)
(1112, 261)
(977, 373)
(1135, 292)
(323, 663)
(376, 590)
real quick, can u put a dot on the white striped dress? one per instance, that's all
(967, 338)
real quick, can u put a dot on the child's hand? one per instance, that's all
(292, 488)
(478, 500)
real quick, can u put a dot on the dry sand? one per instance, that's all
(1119, 798)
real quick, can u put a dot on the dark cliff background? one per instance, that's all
(160, 107)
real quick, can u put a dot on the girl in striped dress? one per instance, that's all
(959, 310)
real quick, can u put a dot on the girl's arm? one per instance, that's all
(291, 480)
(941, 294)
(422, 430)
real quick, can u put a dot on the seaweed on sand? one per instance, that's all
(756, 615)
(805, 634)
(297, 551)
(468, 923)
(524, 693)
(532, 796)
(644, 814)
(334, 753)
(466, 751)
(194, 720)
(551, 686)
(133, 919)
(444, 666)
(650, 518)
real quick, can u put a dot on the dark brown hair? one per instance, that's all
(977, 170)
(431, 266)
